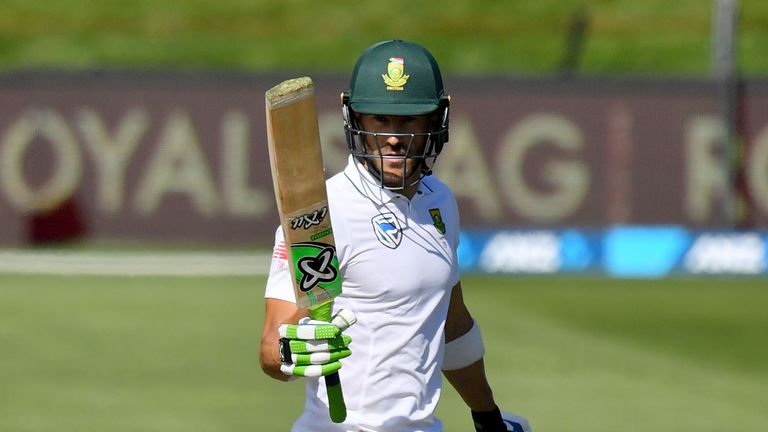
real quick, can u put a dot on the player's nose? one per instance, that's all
(394, 140)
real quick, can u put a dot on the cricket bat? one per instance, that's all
(302, 202)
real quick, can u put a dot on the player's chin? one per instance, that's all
(393, 180)
(396, 181)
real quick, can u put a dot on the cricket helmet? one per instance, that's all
(396, 78)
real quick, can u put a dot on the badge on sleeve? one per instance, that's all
(437, 219)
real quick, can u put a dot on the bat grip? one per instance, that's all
(336, 406)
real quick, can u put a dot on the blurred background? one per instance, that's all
(610, 159)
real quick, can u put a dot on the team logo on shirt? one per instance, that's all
(387, 230)
(437, 219)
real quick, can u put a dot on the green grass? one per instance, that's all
(180, 354)
(495, 36)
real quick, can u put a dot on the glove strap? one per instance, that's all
(285, 351)
(489, 421)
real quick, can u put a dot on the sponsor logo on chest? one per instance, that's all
(387, 229)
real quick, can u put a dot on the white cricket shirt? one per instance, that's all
(398, 263)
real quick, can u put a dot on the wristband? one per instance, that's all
(489, 421)
(464, 350)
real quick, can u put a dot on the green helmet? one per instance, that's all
(402, 79)
(396, 78)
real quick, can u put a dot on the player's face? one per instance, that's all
(398, 149)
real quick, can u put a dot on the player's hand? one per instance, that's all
(313, 348)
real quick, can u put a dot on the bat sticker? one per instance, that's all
(316, 269)
(309, 220)
(316, 265)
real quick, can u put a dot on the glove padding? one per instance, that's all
(313, 348)
(498, 421)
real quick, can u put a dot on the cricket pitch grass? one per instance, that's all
(166, 354)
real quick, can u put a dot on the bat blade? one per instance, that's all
(299, 180)
(297, 173)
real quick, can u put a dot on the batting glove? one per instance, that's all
(313, 348)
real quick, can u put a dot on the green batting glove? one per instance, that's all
(313, 348)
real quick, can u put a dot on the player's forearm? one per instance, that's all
(472, 385)
(277, 312)
(463, 361)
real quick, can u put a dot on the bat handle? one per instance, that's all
(336, 406)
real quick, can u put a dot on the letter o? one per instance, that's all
(65, 177)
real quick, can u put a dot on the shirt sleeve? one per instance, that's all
(454, 235)
(279, 284)
(455, 227)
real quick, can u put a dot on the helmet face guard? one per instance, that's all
(366, 146)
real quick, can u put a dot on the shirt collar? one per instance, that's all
(367, 185)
